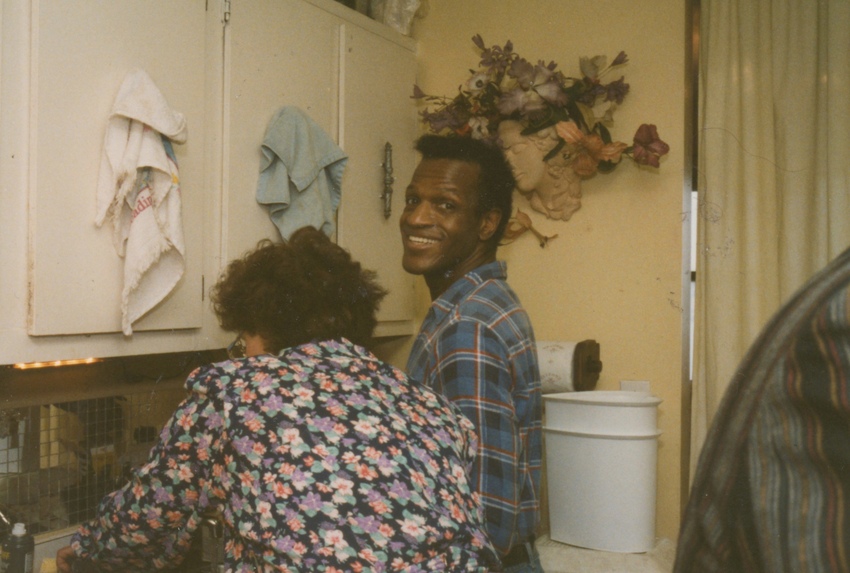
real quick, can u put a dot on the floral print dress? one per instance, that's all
(320, 459)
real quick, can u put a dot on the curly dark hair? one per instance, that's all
(495, 180)
(297, 291)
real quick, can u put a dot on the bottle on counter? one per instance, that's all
(18, 550)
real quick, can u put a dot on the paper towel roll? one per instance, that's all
(555, 359)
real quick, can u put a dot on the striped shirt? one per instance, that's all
(476, 346)
(772, 488)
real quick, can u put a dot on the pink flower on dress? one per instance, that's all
(281, 490)
(364, 471)
(185, 473)
(412, 527)
(335, 538)
(385, 530)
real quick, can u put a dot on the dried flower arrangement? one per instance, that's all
(539, 96)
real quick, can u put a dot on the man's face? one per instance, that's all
(441, 232)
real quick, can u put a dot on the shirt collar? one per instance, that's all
(497, 270)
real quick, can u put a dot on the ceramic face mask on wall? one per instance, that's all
(552, 187)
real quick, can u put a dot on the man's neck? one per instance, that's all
(438, 283)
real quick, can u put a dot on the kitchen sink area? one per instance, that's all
(71, 434)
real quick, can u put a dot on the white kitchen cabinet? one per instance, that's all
(62, 64)
(76, 273)
(277, 53)
(374, 115)
(353, 77)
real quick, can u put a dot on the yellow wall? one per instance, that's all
(614, 272)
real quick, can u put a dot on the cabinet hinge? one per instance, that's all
(225, 9)
(203, 287)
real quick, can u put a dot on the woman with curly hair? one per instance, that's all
(318, 456)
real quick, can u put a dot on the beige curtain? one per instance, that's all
(774, 172)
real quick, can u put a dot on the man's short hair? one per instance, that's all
(495, 180)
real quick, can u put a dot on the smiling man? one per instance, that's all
(476, 344)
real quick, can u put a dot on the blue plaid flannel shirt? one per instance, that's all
(476, 346)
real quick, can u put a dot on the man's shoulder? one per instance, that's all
(493, 304)
(491, 294)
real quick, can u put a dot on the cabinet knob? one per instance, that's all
(387, 195)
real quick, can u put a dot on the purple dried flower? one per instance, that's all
(519, 100)
(552, 92)
(496, 58)
(616, 91)
(442, 119)
(542, 74)
(523, 71)
(592, 90)
(507, 86)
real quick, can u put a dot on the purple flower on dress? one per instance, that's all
(442, 435)
(285, 544)
(369, 524)
(400, 490)
(214, 420)
(311, 502)
(274, 403)
(162, 495)
(250, 416)
(323, 424)
(266, 383)
(202, 442)
(243, 445)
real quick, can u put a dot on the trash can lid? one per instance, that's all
(609, 397)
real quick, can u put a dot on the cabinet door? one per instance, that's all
(279, 53)
(81, 52)
(378, 76)
(355, 84)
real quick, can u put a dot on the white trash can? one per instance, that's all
(601, 453)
